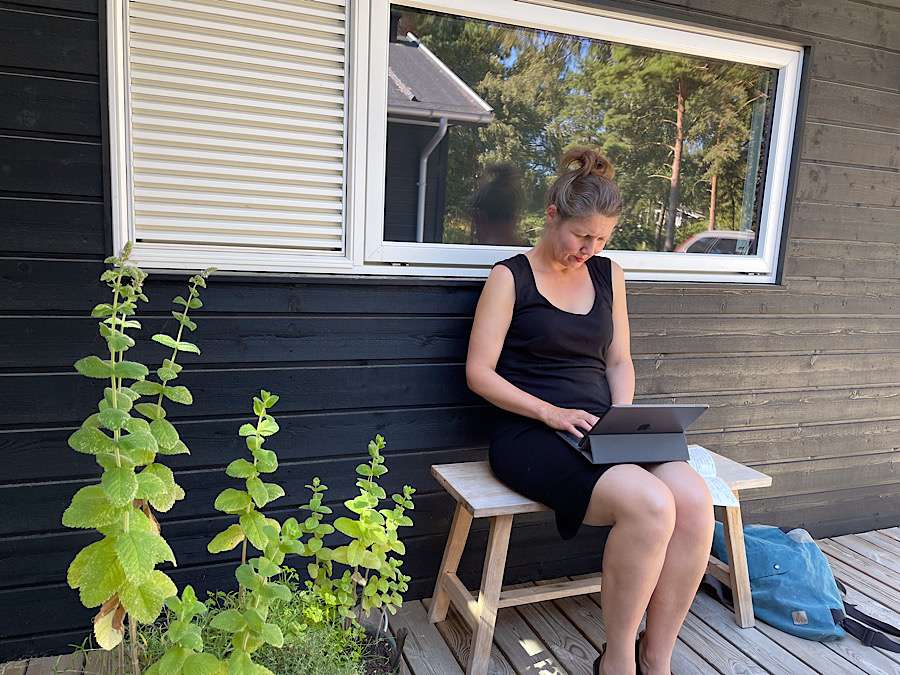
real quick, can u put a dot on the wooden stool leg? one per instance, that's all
(456, 542)
(740, 574)
(489, 594)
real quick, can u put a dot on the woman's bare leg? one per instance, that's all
(641, 510)
(685, 563)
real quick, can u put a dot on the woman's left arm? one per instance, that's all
(619, 367)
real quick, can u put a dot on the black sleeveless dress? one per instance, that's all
(560, 357)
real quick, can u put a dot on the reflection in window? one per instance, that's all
(480, 112)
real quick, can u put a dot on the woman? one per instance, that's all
(550, 348)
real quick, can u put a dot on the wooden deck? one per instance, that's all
(561, 637)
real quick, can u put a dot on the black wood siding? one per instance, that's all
(801, 378)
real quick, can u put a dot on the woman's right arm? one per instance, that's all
(492, 319)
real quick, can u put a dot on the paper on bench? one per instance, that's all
(705, 465)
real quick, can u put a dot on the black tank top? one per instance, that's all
(556, 355)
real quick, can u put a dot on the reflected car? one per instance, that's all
(715, 241)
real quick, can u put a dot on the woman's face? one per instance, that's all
(575, 240)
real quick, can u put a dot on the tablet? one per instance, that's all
(641, 418)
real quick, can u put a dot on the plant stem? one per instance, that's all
(177, 339)
(132, 635)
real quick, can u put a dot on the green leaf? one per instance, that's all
(90, 508)
(139, 552)
(120, 485)
(247, 430)
(364, 470)
(188, 347)
(178, 449)
(241, 468)
(118, 341)
(226, 540)
(184, 321)
(266, 460)
(253, 523)
(257, 491)
(166, 374)
(229, 621)
(113, 418)
(94, 366)
(195, 303)
(88, 560)
(102, 310)
(164, 432)
(138, 443)
(268, 427)
(147, 388)
(173, 661)
(349, 527)
(166, 500)
(178, 300)
(272, 635)
(179, 394)
(151, 410)
(150, 486)
(145, 601)
(203, 664)
(122, 401)
(91, 441)
(165, 340)
(267, 568)
(232, 501)
(274, 491)
(131, 370)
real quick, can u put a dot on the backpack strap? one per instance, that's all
(853, 621)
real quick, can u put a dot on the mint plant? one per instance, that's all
(374, 579)
(184, 655)
(118, 573)
(247, 624)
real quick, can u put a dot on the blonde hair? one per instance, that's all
(584, 185)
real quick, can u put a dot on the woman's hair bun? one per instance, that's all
(584, 162)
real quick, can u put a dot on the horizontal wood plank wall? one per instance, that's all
(801, 379)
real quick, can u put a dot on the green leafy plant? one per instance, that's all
(311, 646)
(248, 623)
(372, 578)
(118, 573)
(184, 654)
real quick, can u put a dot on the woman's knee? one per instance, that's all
(693, 507)
(645, 500)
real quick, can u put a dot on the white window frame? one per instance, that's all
(365, 251)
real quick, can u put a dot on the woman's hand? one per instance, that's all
(569, 419)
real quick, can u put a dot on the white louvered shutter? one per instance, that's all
(237, 122)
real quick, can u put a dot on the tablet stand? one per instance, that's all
(636, 448)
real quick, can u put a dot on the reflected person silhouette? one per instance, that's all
(496, 206)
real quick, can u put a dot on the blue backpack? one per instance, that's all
(794, 589)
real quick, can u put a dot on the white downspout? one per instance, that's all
(423, 177)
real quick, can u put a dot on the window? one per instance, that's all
(419, 137)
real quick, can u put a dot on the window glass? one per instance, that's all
(480, 112)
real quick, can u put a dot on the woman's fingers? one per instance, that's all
(572, 429)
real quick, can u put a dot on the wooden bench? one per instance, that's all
(479, 494)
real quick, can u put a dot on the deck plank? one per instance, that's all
(13, 668)
(814, 654)
(425, 649)
(685, 661)
(525, 651)
(561, 637)
(891, 545)
(892, 532)
(859, 555)
(763, 650)
(458, 637)
(721, 654)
